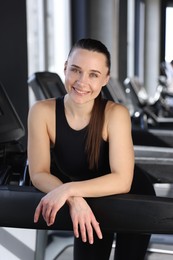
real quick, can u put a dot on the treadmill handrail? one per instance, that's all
(118, 213)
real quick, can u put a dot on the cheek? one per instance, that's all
(98, 84)
(69, 81)
(96, 88)
(68, 78)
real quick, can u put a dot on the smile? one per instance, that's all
(80, 91)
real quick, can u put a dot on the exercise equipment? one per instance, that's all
(151, 125)
(12, 153)
(119, 213)
(11, 129)
(158, 113)
(17, 195)
(46, 84)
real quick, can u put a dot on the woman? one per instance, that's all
(92, 144)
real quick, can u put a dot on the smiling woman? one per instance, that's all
(85, 75)
(92, 145)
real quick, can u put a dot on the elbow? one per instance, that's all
(126, 188)
(34, 178)
(128, 184)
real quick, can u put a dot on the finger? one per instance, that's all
(52, 216)
(97, 229)
(83, 232)
(46, 211)
(37, 212)
(89, 229)
(76, 229)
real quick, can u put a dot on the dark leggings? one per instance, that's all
(128, 246)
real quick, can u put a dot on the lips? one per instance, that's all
(81, 92)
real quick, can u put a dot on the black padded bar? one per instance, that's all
(118, 213)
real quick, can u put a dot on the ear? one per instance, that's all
(106, 80)
(65, 66)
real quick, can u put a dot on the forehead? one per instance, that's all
(91, 59)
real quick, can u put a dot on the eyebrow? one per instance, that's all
(77, 67)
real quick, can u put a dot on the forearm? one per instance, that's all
(109, 184)
(45, 182)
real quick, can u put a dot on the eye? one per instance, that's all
(75, 70)
(94, 75)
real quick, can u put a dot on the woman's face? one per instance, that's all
(85, 75)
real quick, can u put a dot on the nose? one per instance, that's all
(83, 79)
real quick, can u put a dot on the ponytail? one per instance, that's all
(95, 129)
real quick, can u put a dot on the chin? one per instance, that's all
(79, 98)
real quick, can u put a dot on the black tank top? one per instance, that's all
(69, 150)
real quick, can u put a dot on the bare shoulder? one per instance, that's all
(117, 119)
(42, 107)
(116, 111)
(41, 120)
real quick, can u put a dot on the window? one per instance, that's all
(48, 27)
(169, 41)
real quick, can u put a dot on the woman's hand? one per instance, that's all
(83, 219)
(50, 204)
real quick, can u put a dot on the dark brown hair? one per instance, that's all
(95, 127)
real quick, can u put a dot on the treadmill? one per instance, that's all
(153, 214)
(12, 152)
(149, 145)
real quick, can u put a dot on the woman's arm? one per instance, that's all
(41, 123)
(121, 156)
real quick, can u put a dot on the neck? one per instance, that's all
(76, 109)
(77, 115)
